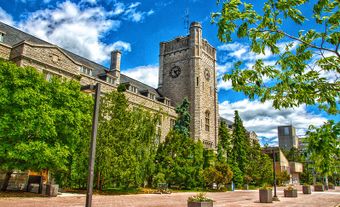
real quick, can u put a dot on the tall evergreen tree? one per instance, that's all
(224, 143)
(240, 143)
(180, 158)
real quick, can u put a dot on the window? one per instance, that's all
(110, 80)
(207, 121)
(133, 89)
(2, 37)
(86, 70)
(286, 131)
(152, 96)
(172, 122)
(167, 102)
(48, 75)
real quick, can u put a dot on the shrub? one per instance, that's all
(200, 197)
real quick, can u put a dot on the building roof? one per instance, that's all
(14, 36)
(228, 122)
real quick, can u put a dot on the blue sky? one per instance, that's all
(93, 28)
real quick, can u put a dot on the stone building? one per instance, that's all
(187, 70)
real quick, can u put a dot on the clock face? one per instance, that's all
(175, 72)
(207, 74)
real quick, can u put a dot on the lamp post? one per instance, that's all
(92, 153)
(275, 198)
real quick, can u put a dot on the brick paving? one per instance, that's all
(249, 198)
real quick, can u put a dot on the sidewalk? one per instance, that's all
(225, 199)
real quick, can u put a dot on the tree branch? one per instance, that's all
(300, 40)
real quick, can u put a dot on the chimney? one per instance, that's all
(115, 64)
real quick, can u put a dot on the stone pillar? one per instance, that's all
(195, 42)
(115, 64)
(161, 65)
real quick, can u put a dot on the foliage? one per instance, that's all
(159, 178)
(182, 124)
(180, 159)
(260, 167)
(209, 157)
(200, 197)
(224, 144)
(293, 155)
(41, 122)
(126, 143)
(219, 174)
(290, 187)
(282, 177)
(324, 147)
(265, 186)
(240, 143)
(304, 58)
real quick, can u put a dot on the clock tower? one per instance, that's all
(188, 70)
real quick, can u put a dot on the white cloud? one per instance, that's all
(118, 8)
(132, 14)
(221, 70)
(74, 28)
(264, 119)
(145, 74)
(232, 52)
(80, 28)
(5, 17)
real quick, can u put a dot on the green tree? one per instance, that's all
(180, 159)
(126, 144)
(299, 74)
(282, 177)
(220, 174)
(41, 122)
(224, 143)
(240, 143)
(324, 148)
(182, 124)
(260, 167)
(293, 155)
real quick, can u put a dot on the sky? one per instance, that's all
(93, 28)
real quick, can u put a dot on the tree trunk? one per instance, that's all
(326, 181)
(6, 181)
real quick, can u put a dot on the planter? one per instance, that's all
(200, 204)
(319, 188)
(52, 190)
(306, 190)
(331, 187)
(290, 193)
(266, 196)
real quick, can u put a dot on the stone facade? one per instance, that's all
(192, 54)
(188, 70)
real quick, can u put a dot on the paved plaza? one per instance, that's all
(233, 199)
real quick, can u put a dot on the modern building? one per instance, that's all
(287, 137)
(187, 69)
(282, 164)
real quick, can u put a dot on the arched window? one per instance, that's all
(207, 121)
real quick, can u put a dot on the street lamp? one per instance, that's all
(92, 153)
(275, 198)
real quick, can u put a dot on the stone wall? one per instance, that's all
(4, 51)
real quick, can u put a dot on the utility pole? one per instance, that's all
(92, 153)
